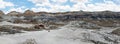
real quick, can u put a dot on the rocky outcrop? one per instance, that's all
(40, 26)
(1, 13)
(14, 13)
(116, 32)
(29, 12)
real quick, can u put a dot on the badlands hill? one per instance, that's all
(47, 20)
(75, 27)
(102, 18)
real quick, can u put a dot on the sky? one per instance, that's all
(59, 5)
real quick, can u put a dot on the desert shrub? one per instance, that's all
(53, 27)
(30, 41)
(30, 29)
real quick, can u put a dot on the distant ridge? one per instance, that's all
(30, 12)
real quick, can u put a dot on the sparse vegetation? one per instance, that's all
(9, 30)
(30, 41)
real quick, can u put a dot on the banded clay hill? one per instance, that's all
(75, 27)
(49, 20)
(102, 18)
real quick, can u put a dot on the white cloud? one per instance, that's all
(20, 9)
(78, 6)
(59, 1)
(108, 5)
(54, 7)
(39, 1)
(116, 1)
(40, 5)
(79, 1)
(40, 9)
(48, 1)
(4, 4)
(43, 4)
(57, 7)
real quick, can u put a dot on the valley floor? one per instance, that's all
(64, 35)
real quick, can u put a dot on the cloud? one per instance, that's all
(40, 9)
(59, 1)
(53, 7)
(63, 5)
(117, 1)
(80, 1)
(39, 1)
(56, 5)
(19, 9)
(79, 5)
(4, 4)
(47, 1)
(60, 8)
(108, 5)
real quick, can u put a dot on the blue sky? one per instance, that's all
(59, 5)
